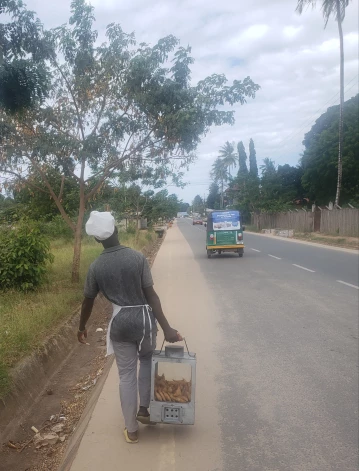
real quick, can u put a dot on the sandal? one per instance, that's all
(145, 420)
(127, 438)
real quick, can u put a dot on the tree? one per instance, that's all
(270, 187)
(277, 190)
(38, 205)
(214, 198)
(280, 187)
(253, 167)
(161, 206)
(268, 167)
(129, 201)
(228, 156)
(183, 207)
(336, 8)
(198, 205)
(242, 159)
(23, 51)
(319, 160)
(219, 174)
(290, 180)
(113, 107)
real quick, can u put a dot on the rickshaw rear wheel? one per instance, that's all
(209, 254)
(240, 254)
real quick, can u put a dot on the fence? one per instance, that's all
(343, 222)
(302, 221)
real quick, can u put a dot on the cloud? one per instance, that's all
(292, 57)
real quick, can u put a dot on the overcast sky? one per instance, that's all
(293, 58)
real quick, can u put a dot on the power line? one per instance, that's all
(319, 111)
(194, 183)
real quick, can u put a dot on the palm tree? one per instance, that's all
(336, 8)
(268, 166)
(228, 155)
(219, 173)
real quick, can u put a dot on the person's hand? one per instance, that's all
(82, 336)
(172, 336)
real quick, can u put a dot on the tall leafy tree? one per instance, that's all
(219, 175)
(319, 160)
(270, 187)
(129, 201)
(198, 205)
(290, 180)
(268, 167)
(253, 167)
(334, 8)
(228, 156)
(242, 159)
(23, 51)
(213, 198)
(113, 107)
(161, 206)
(37, 203)
(183, 207)
(276, 190)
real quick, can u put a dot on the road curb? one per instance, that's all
(76, 438)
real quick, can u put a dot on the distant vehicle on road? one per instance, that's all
(197, 220)
(224, 233)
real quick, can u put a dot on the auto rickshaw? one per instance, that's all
(224, 232)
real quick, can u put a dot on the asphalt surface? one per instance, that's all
(287, 344)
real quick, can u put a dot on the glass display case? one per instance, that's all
(173, 381)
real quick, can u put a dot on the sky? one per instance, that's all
(292, 57)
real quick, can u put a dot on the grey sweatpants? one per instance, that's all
(127, 355)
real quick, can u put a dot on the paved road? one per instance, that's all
(277, 373)
(289, 354)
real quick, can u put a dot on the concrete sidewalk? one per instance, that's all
(187, 303)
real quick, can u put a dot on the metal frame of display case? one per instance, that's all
(173, 412)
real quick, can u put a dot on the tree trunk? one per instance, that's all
(222, 197)
(75, 277)
(78, 237)
(340, 146)
(137, 234)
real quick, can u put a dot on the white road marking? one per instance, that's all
(303, 268)
(273, 256)
(347, 284)
(256, 250)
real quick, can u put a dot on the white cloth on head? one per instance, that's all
(100, 225)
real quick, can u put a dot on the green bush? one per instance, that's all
(57, 229)
(149, 236)
(131, 228)
(24, 256)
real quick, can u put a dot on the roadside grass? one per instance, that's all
(337, 241)
(319, 238)
(26, 319)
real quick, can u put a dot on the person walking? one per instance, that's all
(124, 277)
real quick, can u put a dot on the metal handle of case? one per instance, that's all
(184, 339)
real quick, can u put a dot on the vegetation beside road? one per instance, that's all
(336, 241)
(26, 319)
(317, 237)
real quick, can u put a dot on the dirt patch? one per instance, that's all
(61, 403)
(335, 241)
